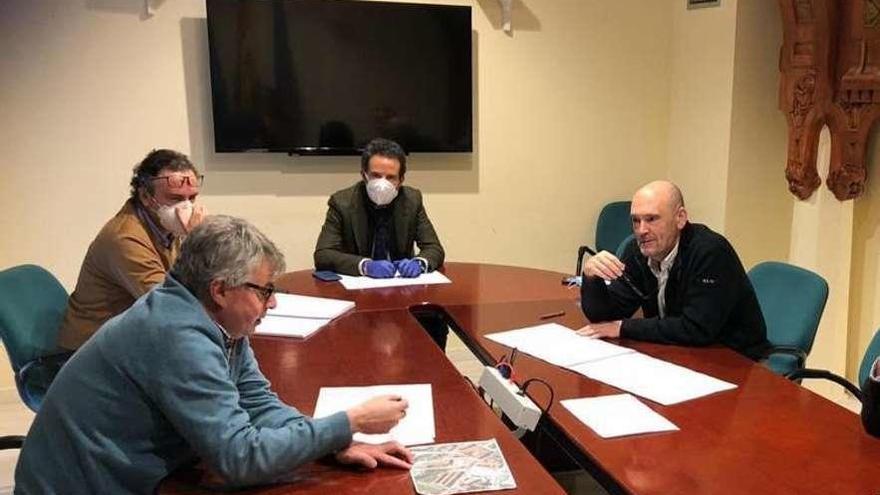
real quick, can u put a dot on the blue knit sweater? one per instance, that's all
(154, 389)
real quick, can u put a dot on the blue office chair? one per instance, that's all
(792, 300)
(32, 303)
(612, 227)
(871, 355)
(623, 244)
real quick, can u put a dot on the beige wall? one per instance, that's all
(821, 241)
(571, 112)
(726, 139)
(864, 315)
(759, 208)
(700, 107)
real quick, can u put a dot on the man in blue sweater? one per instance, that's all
(173, 379)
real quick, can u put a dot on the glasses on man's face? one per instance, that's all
(178, 180)
(265, 292)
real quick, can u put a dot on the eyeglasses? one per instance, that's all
(265, 292)
(178, 180)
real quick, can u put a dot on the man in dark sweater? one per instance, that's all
(687, 279)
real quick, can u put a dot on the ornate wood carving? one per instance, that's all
(830, 75)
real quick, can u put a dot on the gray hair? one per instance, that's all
(223, 248)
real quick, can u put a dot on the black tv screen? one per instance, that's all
(327, 76)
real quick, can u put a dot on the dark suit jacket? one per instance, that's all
(345, 238)
(709, 299)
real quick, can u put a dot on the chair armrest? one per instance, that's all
(11, 442)
(791, 350)
(826, 375)
(52, 361)
(582, 251)
(48, 366)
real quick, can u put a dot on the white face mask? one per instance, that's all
(174, 218)
(381, 191)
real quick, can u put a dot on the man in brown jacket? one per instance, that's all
(136, 247)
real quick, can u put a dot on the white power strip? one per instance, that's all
(515, 405)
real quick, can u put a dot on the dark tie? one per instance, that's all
(380, 237)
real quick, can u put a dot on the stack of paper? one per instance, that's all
(617, 415)
(300, 316)
(652, 378)
(558, 345)
(416, 428)
(357, 283)
(620, 367)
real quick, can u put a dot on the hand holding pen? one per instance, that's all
(605, 265)
(609, 267)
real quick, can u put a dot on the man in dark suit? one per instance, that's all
(371, 227)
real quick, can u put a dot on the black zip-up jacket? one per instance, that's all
(709, 299)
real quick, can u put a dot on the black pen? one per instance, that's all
(629, 282)
(551, 315)
(623, 276)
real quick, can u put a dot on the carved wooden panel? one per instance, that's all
(830, 75)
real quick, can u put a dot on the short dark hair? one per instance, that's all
(153, 163)
(386, 148)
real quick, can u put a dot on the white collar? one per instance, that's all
(666, 263)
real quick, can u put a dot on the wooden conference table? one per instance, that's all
(380, 342)
(767, 436)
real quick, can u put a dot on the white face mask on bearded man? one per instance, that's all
(174, 218)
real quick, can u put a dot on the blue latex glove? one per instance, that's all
(379, 269)
(409, 268)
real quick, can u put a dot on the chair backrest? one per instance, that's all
(871, 354)
(32, 303)
(613, 226)
(792, 300)
(623, 244)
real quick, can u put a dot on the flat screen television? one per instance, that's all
(326, 76)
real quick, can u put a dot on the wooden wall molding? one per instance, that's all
(829, 75)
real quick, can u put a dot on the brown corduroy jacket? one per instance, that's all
(123, 262)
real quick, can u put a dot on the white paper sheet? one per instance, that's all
(618, 366)
(357, 283)
(416, 428)
(557, 344)
(287, 326)
(617, 415)
(295, 305)
(652, 378)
